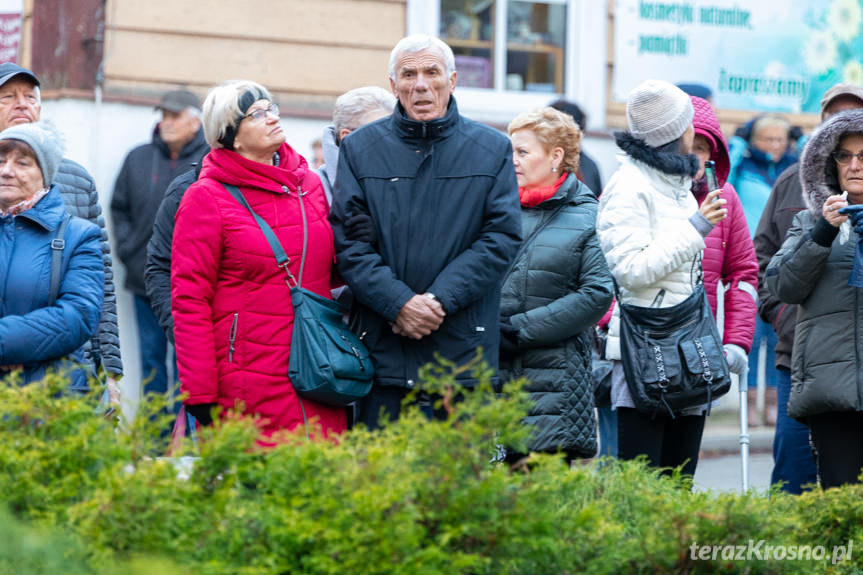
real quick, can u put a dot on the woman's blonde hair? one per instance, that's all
(221, 112)
(553, 129)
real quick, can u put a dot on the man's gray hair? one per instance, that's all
(222, 109)
(417, 43)
(353, 106)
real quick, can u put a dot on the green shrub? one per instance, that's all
(418, 497)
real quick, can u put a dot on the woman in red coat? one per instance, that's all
(729, 255)
(231, 305)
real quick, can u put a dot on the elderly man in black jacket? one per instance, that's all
(426, 220)
(178, 141)
(20, 103)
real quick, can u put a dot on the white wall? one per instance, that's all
(99, 137)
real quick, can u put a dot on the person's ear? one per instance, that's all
(557, 157)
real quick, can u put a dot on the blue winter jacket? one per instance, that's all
(444, 201)
(753, 174)
(32, 333)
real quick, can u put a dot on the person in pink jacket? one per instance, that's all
(232, 307)
(729, 255)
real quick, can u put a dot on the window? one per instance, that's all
(507, 45)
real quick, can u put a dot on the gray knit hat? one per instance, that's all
(658, 112)
(45, 141)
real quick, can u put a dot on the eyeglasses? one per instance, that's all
(842, 157)
(261, 113)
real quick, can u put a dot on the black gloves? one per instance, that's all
(508, 339)
(202, 412)
(361, 228)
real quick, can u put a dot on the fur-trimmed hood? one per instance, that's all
(817, 169)
(665, 158)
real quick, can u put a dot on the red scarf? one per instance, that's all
(530, 198)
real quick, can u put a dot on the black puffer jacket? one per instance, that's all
(138, 193)
(157, 276)
(558, 288)
(444, 200)
(812, 269)
(81, 199)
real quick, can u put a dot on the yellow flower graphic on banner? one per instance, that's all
(844, 18)
(853, 73)
(820, 51)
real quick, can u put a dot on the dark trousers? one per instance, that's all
(838, 439)
(793, 462)
(666, 442)
(384, 403)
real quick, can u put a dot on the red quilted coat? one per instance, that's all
(729, 254)
(232, 308)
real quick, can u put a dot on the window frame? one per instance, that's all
(584, 57)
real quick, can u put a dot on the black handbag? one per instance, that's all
(601, 369)
(328, 363)
(673, 356)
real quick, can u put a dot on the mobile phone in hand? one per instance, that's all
(710, 175)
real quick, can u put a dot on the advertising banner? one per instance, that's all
(780, 55)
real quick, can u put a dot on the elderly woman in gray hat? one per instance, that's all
(652, 232)
(51, 274)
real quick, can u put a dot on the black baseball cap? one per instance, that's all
(9, 70)
(178, 100)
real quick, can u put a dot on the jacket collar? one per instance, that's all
(666, 184)
(48, 212)
(188, 148)
(331, 154)
(571, 191)
(439, 128)
(231, 168)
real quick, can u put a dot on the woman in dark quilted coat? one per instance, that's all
(558, 287)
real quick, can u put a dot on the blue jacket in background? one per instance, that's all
(32, 333)
(444, 201)
(753, 174)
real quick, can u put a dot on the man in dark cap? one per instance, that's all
(177, 143)
(793, 464)
(21, 103)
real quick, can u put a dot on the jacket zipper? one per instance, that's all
(233, 338)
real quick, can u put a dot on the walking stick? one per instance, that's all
(743, 378)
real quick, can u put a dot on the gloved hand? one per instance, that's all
(855, 213)
(202, 412)
(736, 358)
(508, 339)
(361, 228)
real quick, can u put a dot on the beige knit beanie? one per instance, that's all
(658, 112)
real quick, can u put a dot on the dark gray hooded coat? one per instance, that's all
(812, 269)
(557, 289)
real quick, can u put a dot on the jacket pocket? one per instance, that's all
(232, 337)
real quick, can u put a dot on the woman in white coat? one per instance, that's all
(652, 232)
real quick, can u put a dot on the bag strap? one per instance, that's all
(282, 258)
(58, 244)
(539, 227)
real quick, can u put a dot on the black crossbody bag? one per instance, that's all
(672, 356)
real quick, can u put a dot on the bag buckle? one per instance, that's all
(290, 277)
(705, 363)
(58, 244)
